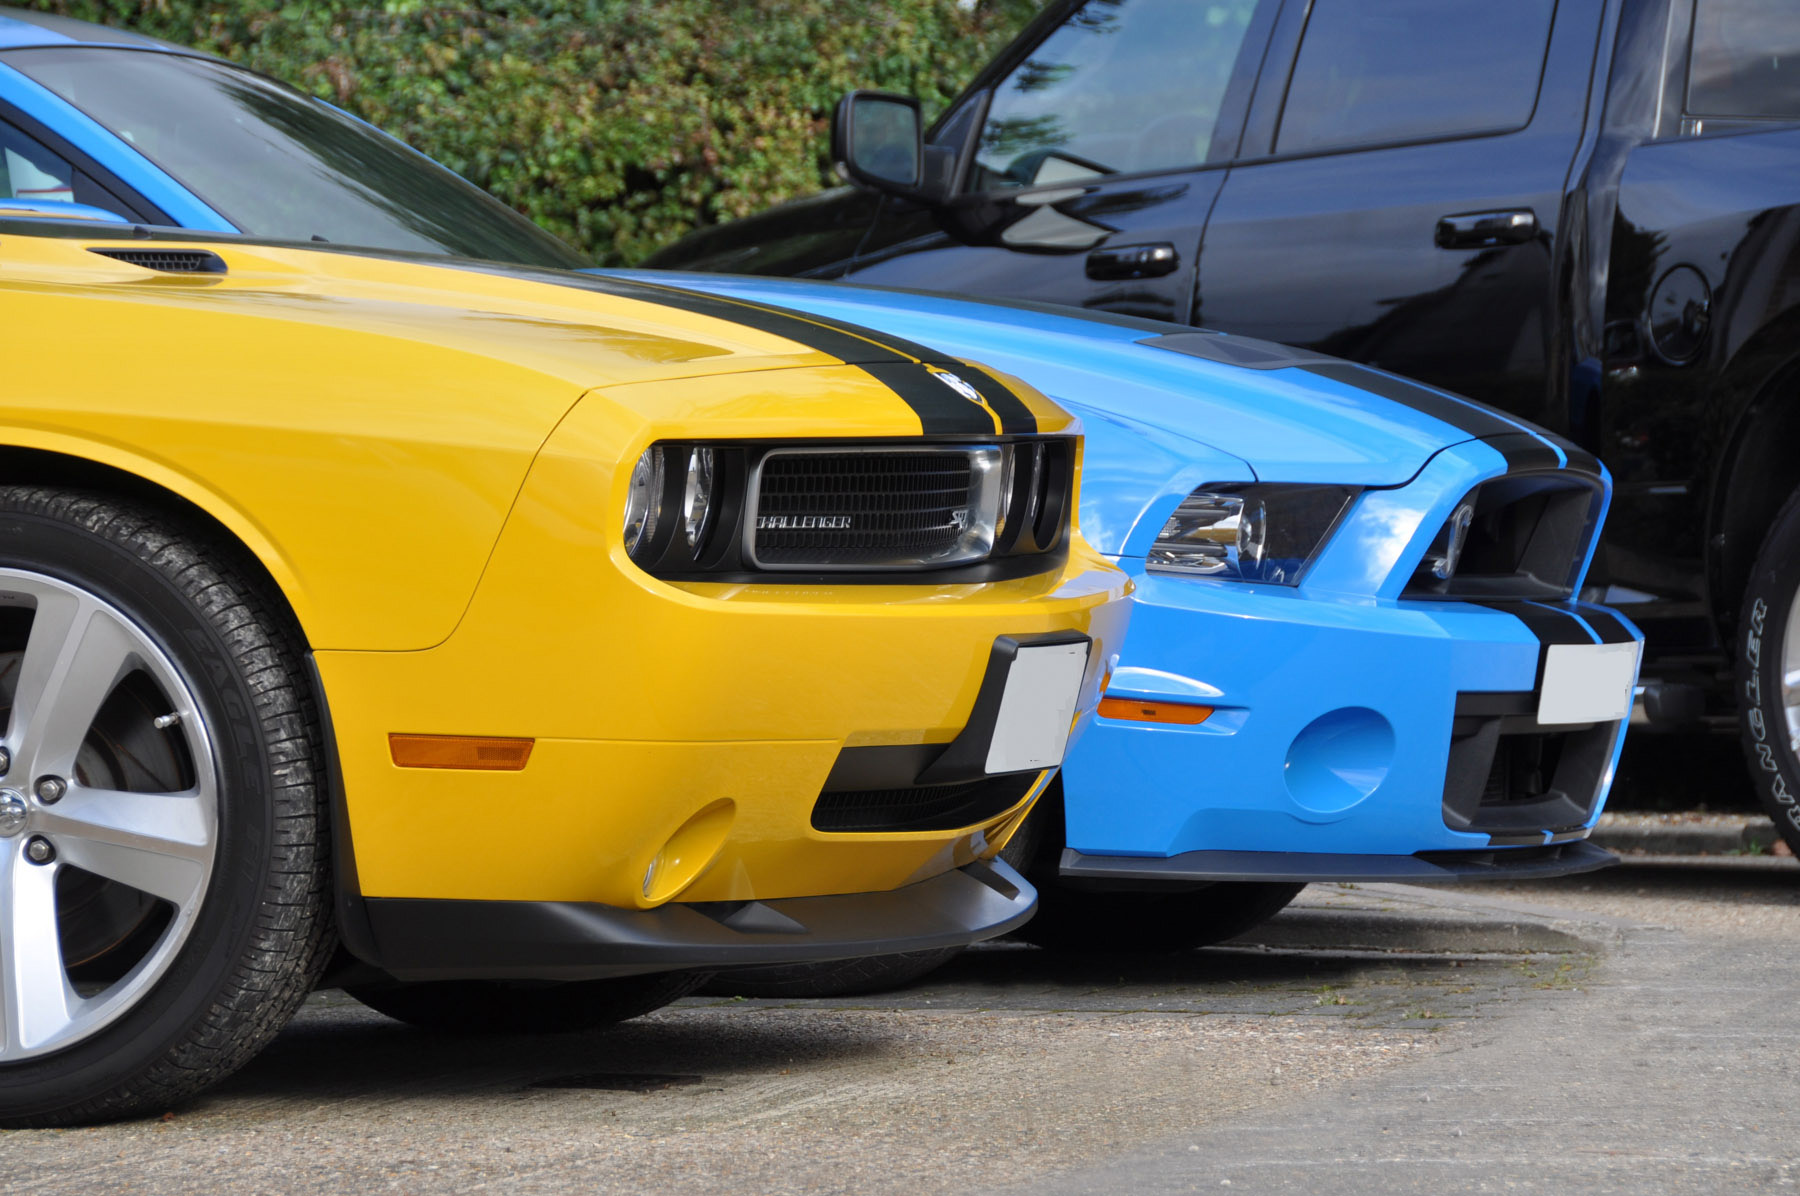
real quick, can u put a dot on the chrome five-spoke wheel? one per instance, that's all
(164, 878)
(108, 813)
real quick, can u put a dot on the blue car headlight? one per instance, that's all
(1257, 532)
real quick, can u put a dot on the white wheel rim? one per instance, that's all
(78, 650)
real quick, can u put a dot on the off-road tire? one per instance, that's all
(519, 1007)
(262, 932)
(1762, 628)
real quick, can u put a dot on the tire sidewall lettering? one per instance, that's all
(1768, 743)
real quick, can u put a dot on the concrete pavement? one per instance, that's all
(1624, 1031)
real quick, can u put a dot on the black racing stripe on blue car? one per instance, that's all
(1525, 453)
(1549, 624)
(1609, 627)
(1463, 414)
(1579, 459)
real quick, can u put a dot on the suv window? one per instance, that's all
(1745, 59)
(29, 171)
(1375, 71)
(1121, 86)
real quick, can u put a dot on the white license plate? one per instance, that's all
(1037, 707)
(1587, 683)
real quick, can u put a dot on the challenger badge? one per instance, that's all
(802, 522)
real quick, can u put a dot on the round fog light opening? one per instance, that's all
(688, 852)
(1339, 759)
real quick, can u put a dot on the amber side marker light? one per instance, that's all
(1179, 713)
(477, 752)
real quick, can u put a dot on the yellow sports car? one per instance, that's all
(548, 639)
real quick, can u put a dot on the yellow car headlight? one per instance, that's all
(643, 501)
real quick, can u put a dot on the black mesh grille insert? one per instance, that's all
(1527, 539)
(169, 261)
(847, 509)
(921, 807)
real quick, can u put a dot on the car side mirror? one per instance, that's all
(878, 141)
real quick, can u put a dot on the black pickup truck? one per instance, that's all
(1586, 212)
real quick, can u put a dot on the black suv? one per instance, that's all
(1584, 211)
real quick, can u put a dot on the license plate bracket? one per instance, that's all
(1037, 707)
(1587, 683)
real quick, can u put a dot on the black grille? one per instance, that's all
(168, 261)
(1527, 540)
(866, 509)
(921, 807)
(1509, 775)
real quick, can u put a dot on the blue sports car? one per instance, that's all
(1356, 653)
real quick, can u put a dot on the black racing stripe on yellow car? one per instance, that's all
(899, 364)
(1463, 414)
(940, 409)
(1016, 417)
(894, 361)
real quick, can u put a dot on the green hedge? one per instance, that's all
(616, 124)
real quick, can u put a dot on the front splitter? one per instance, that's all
(416, 939)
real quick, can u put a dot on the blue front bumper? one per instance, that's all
(1340, 727)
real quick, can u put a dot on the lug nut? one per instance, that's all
(50, 790)
(5, 761)
(38, 850)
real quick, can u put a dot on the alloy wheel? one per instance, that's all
(108, 814)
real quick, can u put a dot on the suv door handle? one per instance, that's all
(1133, 261)
(1478, 230)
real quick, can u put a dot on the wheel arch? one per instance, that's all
(213, 517)
(126, 475)
(1758, 397)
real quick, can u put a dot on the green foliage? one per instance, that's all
(616, 124)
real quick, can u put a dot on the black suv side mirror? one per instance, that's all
(878, 141)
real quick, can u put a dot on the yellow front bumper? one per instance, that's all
(650, 702)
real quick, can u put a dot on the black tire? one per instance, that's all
(1079, 920)
(1762, 630)
(257, 931)
(869, 973)
(509, 1007)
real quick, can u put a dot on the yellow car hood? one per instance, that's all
(585, 337)
(363, 423)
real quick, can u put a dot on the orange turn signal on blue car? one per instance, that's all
(1179, 713)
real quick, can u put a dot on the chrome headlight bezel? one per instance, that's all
(1267, 532)
(697, 496)
(643, 501)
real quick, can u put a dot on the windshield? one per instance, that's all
(281, 165)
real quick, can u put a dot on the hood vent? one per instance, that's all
(168, 261)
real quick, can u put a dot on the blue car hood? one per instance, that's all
(1160, 413)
